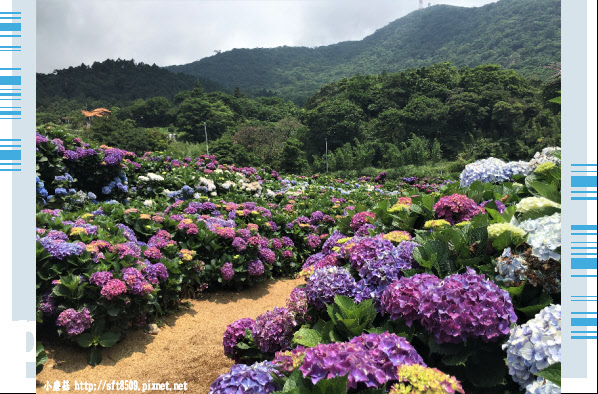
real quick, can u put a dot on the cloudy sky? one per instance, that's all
(167, 32)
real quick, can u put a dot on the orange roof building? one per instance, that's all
(99, 112)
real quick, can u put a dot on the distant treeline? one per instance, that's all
(418, 116)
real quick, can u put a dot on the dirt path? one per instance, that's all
(188, 348)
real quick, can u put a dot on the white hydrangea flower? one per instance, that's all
(530, 203)
(148, 203)
(544, 236)
(155, 177)
(547, 155)
(143, 178)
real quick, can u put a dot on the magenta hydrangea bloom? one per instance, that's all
(233, 334)
(456, 208)
(227, 271)
(113, 288)
(313, 241)
(276, 243)
(274, 330)
(75, 322)
(152, 253)
(361, 218)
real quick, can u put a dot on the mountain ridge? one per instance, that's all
(523, 35)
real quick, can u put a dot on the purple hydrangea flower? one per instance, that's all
(239, 244)
(75, 322)
(274, 330)
(256, 268)
(60, 249)
(404, 252)
(331, 242)
(100, 278)
(401, 298)
(316, 217)
(227, 271)
(466, 306)
(276, 243)
(501, 207)
(366, 249)
(48, 304)
(361, 218)
(233, 334)
(254, 379)
(369, 360)
(155, 273)
(325, 283)
(135, 281)
(297, 304)
(364, 230)
(267, 255)
(286, 241)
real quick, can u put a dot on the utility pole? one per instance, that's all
(326, 155)
(205, 129)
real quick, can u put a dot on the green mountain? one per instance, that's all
(523, 35)
(114, 82)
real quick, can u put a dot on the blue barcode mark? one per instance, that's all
(10, 27)
(10, 80)
(586, 181)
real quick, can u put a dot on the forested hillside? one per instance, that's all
(414, 117)
(113, 82)
(523, 35)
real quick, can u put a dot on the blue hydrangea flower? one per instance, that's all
(535, 345)
(244, 379)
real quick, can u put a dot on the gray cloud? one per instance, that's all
(165, 32)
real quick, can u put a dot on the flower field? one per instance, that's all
(411, 285)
